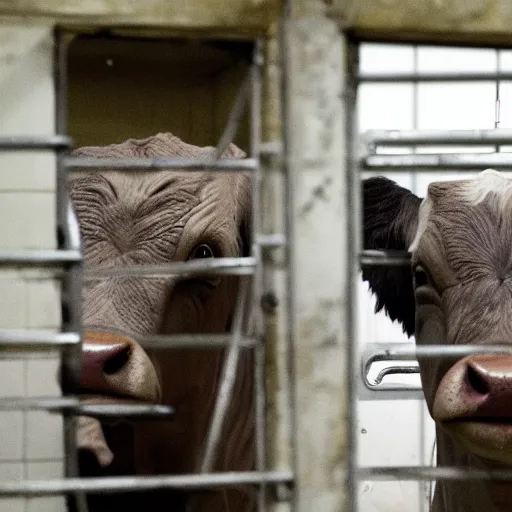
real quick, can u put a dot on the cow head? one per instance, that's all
(138, 218)
(458, 290)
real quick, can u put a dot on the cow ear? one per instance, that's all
(390, 219)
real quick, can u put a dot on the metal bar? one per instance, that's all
(235, 116)
(437, 137)
(257, 281)
(34, 488)
(433, 77)
(390, 473)
(35, 142)
(72, 406)
(39, 257)
(375, 258)
(132, 411)
(207, 341)
(410, 352)
(28, 341)
(271, 149)
(217, 266)
(227, 381)
(71, 290)
(354, 249)
(36, 340)
(270, 241)
(158, 163)
(475, 162)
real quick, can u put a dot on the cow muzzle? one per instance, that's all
(117, 366)
(474, 403)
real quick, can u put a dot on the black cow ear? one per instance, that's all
(390, 217)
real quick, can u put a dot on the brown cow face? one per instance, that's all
(458, 291)
(155, 218)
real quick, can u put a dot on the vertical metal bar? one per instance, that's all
(257, 288)
(354, 212)
(71, 291)
(289, 218)
(497, 106)
(235, 116)
(415, 112)
(414, 187)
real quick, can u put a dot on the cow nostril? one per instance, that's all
(116, 362)
(476, 381)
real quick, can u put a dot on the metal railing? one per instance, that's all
(67, 263)
(363, 157)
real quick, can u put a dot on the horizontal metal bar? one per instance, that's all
(39, 258)
(437, 137)
(384, 258)
(72, 405)
(475, 162)
(271, 241)
(410, 351)
(35, 142)
(11, 355)
(163, 341)
(33, 488)
(36, 340)
(433, 77)
(389, 473)
(159, 163)
(132, 411)
(32, 341)
(216, 266)
(271, 149)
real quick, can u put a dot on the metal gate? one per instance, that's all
(312, 388)
(404, 152)
(68, 265)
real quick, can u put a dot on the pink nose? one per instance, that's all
(489, 380)
(103, 356)
(476, 386)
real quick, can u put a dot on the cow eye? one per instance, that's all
(420, 277)
(201, 251)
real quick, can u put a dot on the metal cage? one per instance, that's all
(365, 158)
(311, 142)
(68, 265)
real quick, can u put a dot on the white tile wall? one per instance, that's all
(12, 471)
(402, 432)
(31, 443)
(43, 303)
(28, 220)
(41, 471)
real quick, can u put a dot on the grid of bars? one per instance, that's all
(67, 264)
(364, 158)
